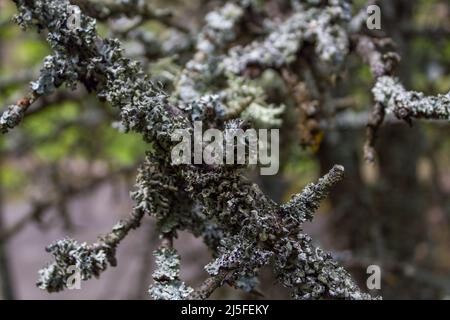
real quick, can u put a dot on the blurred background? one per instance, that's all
(66, 171)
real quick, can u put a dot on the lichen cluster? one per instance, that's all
(87, 261)
(166, 276)
(322, 26)
(407, 105)
(242, 227)
(11, 117)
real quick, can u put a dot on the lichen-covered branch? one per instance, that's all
(167, 284)
(86, 260)
(208, 286)
(322, 25)
(306, 203)
(380, 65)
(310, 271)
(14, 113)
(408, 105)
(391, 97)
(263, 230)
(232, 214)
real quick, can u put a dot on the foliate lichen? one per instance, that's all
(308, 270)
(11, 117)
(324, 26)
(235, 252)
(214, 201)
(261, 229)
(244, 99)
(202, 71)
(213, 72)
(71, 258)
(57, 69)
(312, 273)
(100, 65)
(304, 204)
(155, 189)
(157, 193)
(207, 75)
(167, 284)
(243, 258)
(410, 104)
(84, 261)
(220, 28)
(263, 116)
(65, 64)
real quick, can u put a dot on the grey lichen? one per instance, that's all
(214, 72)
(166, 276)
(307, 269)
(312, 273)
(410, 104)
(14, 113)
(325, 27)
(207, 73)
(304, 205)
(257, 223)
(57, 69)
(244, 258)
(243, 227)
(86, 261)
(219, 28)
(248, 101)
(11, 117)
